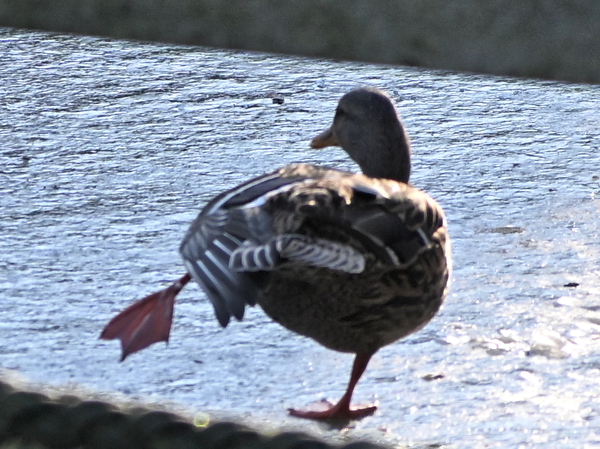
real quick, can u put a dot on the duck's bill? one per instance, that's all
(325, 139)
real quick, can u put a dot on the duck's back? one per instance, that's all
(353, 262)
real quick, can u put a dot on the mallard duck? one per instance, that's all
(353, 261)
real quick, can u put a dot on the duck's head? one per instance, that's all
(367, 126)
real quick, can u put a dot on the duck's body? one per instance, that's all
(339, 257)
(352, 261)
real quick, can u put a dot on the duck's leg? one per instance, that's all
(145, 322)
(342, 411)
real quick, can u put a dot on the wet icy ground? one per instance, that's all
(109, 149)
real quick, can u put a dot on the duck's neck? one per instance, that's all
(388, 156)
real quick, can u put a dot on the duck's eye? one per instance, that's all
(339, 112)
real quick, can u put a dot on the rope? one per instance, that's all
(35, 421)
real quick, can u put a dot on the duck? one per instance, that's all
(354, 261)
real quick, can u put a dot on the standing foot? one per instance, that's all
(338, 412)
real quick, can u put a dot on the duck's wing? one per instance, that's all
(412, 228)
(216, 233)
(403, 220)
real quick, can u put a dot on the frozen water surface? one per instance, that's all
(110, 148)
